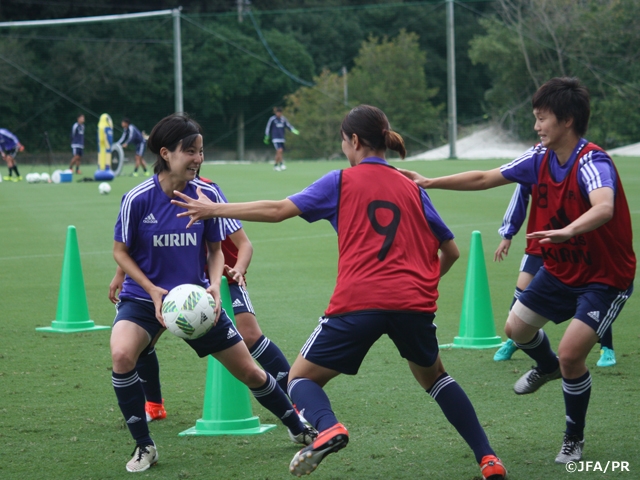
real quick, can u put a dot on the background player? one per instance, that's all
(382, 217)
(132, 135)
(9, 148)
(77, 143)
(274, 132)
(531, 263)
(582, 220)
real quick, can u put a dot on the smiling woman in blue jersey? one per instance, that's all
(157, 252)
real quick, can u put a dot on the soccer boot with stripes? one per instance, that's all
(492, 469)
(533, 380)
(144, 457)
(329, 441)
(155, 411)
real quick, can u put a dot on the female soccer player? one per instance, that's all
(157, 253)
(379, 217)
(581, 219)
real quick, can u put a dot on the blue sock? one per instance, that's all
(148, 370)
(457, 408)
(272, 360)
(131, 402)
(539, 349)
(271, 397)
(577, 392)
(607, 339)
(313, 403)
(516, 296)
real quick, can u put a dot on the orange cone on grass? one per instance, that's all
(227, 402)
(72, 315)
(477, 327)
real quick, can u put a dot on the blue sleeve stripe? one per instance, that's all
(590, 174)
(508, 215)
(125, 210)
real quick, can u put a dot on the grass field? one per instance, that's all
(59, 417)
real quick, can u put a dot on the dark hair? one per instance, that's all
(277, 109)
(566, 98)
(126, 120)
(170, 132)
(371, 126)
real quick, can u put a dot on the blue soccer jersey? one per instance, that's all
(158, 241)
(131, 136)
(8, 141)
(77, 135)
(276, 127)
(516, 212)
(319, 201)
(596, 168)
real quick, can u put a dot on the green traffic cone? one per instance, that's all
(477, 328)
(72, 315)
(227, 404)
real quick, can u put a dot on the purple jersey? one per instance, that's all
(166, 251)
(320, 201)
(516, 212)
(596, 173)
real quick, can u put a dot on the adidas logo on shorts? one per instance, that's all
(231, 333)
(595, 315)
(237, 303)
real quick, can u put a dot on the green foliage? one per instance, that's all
(533, 40)
(389, 73)
(317, 112)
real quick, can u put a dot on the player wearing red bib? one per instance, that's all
(389, 233)
(581, 219)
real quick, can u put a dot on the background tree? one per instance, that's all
(317, 112)
(390, 74)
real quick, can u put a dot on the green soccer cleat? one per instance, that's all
(607, 358)
(505, 352)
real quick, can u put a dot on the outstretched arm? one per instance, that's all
(203, 207)
(472, 180)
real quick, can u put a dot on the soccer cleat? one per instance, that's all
(134, 174)
(146, 173)
(533, 380)
(331, 440)
(306, 437)
(607, 358)
(492, 468)
(155, 411)
(505, 352)
(277, 168)
(144, 457)
(283, 166)
(7, 178)
(571, 450)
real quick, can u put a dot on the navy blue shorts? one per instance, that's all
(278, 145)
(75, 151)
(240, 299)
(341, 343)
(595, 304)
(140, 148)
(224, 335)
(531, 263)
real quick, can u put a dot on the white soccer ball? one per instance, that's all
(104, 188)
(44, 177)
(188, 311)
(30, 178)
(35, 177)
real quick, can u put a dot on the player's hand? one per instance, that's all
(215, 293)
(20, 147)
(502, 251)
(237, 275)
(266, 140)
(114, 287)
(551, 236)
(295, 132)
(200, 208)
(124, 145)
(424, 182)
(157, 294)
